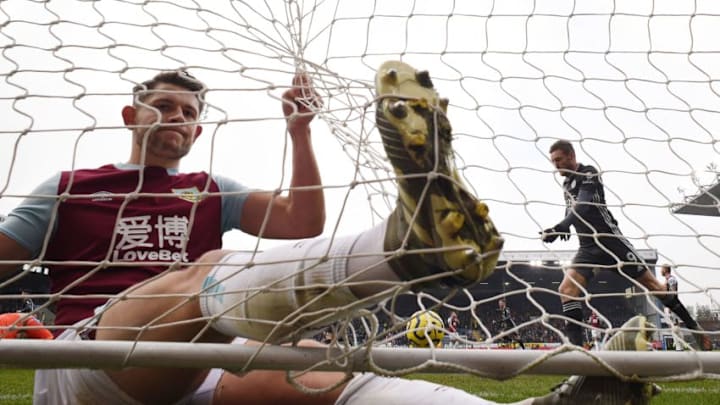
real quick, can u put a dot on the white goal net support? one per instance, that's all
(633, 84)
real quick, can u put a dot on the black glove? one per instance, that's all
(563, 230)
(549, 235)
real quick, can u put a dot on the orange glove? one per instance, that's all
(12, 328)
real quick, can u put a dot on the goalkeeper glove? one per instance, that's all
(15, 325)
(549, 235)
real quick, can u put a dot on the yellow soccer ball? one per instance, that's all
(424, 327)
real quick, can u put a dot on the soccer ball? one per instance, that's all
(425, 326)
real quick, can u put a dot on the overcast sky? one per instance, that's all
(639, 94)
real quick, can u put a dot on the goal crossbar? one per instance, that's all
(498, 364)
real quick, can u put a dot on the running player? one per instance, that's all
(671, 286)
(507, 323)
(601, 243)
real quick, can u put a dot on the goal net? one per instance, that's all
(633, 84)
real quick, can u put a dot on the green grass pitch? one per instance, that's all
(16, 388)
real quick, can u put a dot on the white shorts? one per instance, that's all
(85, 386)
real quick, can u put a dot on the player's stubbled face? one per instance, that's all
(563, 162)
(179, 109)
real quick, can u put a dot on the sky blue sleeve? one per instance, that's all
(232, 204)
(28, 223)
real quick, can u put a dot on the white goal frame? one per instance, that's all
(489, 113)
(385, 361)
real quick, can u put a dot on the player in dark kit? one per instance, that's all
(507, 323)
(602, 245)
(671, 283)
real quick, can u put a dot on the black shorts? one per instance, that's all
(588, 258)
(507, 325)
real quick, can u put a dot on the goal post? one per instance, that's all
(633, 84)
(497, 364)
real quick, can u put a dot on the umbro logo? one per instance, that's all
(191, 194)
(102, 196)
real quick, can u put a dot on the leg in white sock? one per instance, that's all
(368, 264)
(294, 285)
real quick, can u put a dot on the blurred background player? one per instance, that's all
(678, 343)
(595, 334)
(28, 305)
(452, 324)
(507, 323)
(671, 282)
(671, 286)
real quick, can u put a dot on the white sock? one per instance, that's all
(290, 286)
(280, 286)
(370, 389)
(368, 263)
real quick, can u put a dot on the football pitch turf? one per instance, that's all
(16, 388)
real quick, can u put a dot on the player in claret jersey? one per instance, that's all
(453, 323)
(176, 226)
(172, 221)
(595, 334)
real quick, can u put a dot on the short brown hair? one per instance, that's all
(180, 78)
(562, 145)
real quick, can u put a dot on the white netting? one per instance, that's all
(632, 83)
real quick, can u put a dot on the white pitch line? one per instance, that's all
(693, 390)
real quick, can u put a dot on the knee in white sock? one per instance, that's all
(284, 289)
